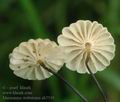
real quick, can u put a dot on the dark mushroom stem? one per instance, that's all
(65, 82)
(96, 81)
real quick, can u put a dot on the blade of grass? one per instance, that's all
(110, 77)
(60, 14)
(34, 18)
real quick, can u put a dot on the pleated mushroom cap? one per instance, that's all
(25, 59)
(85, 39)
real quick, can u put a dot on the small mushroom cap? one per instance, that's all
(85, 38)
(26, 59)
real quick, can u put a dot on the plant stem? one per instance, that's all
(97, 83)
(67, 83)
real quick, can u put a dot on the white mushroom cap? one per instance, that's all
(85, 39)
(26, 58)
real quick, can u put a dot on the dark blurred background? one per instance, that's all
(21, 20)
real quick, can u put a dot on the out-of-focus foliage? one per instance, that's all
(21, 20)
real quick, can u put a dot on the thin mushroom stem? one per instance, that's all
(96, 81)
(66, 82)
